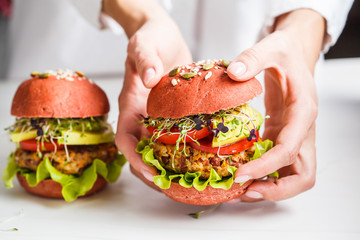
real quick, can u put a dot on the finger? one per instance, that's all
(127, 144)
(284, 188)
(144, 179)
(298, 120)
(283, 154)
(252, 61)
(301, 177)
(131, 104)
(251, 196)
(276, 158)
(147, 61)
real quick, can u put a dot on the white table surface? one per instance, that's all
(130, 210)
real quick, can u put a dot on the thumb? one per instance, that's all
(250, 62)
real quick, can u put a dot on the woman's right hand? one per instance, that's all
(154, 49)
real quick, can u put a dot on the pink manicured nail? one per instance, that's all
(234, 201)
(242, 179)
(147, 175)
(237, 68)
(149, 75)
(254, 195)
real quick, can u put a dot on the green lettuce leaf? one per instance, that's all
(9, 172)
(187, 180)
(261, 148)
(72, 186)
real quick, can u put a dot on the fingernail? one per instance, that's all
(234, 201)
(149, 75)
(254, 195)
(242, 179)
(237, 68)
(147, 175)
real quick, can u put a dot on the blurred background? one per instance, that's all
(21, 34)
(348, 45)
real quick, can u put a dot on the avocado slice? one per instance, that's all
(240, 122)
(18, 136)
(86, 138)
(72, 137)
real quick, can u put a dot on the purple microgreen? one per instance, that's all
(198, 121)
(225, 129)
(208, 123)
(198, 127)
(145, 118)
(33, 123)
(40, 132)
(215, 131)
(222, 128)
(252, 135)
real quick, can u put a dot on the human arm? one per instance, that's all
(155, 46)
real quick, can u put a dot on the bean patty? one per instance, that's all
(198, 161)
(79, 157)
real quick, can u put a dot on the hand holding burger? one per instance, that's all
(155, 46)
(289, 56)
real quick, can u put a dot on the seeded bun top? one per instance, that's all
(60, 94)
(202, 87)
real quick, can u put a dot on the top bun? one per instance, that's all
(60, 94)
(209, 91)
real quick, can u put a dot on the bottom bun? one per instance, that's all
(208, 196)
(51, 189)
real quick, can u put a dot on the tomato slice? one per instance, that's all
(206, 146)
(31, 145)
(175, 133)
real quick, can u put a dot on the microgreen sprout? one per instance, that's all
(199, 124)
(184, 128)
(220, 128)
(9, 230)
(252, 135)
(210, 209)
(225, 121)
(51, 129)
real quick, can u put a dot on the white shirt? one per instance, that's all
(51, 34)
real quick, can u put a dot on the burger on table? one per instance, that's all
(202, 130)
(65, 146)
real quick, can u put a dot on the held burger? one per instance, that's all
(202, 130)
(65, 147)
